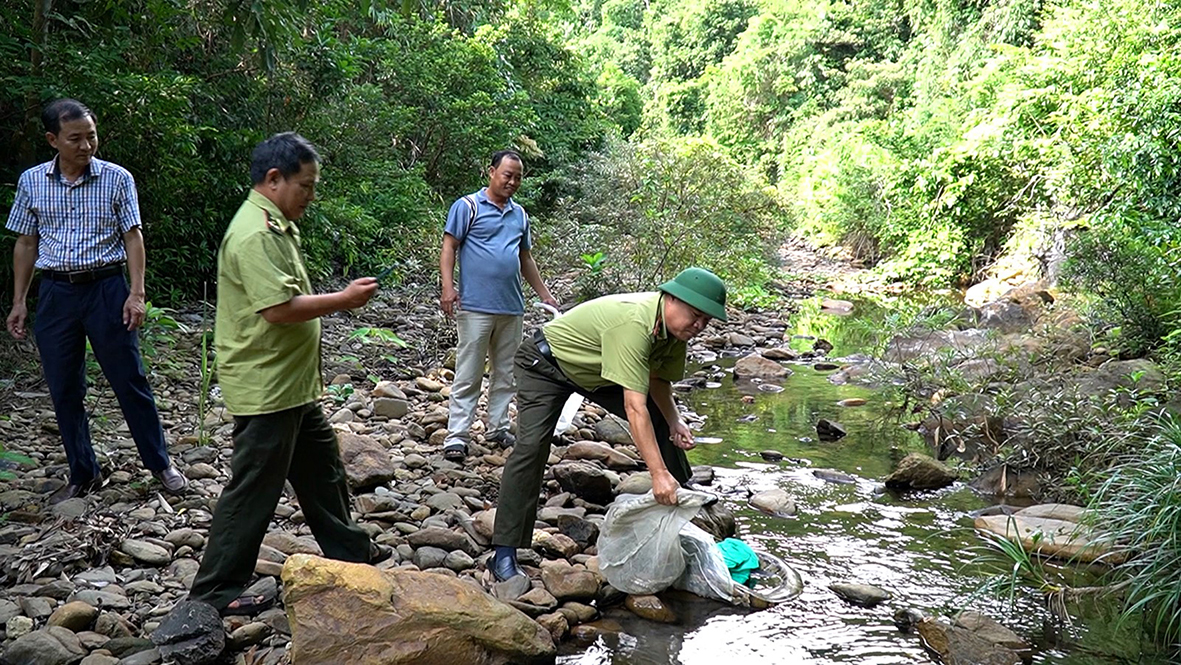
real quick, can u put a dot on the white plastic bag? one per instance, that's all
(706, 573)
(640, 540)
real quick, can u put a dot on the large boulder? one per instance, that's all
(919, 472)
(1052, 536)
(366, 462)
(755, 366)
(354, 613)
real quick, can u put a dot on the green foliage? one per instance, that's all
(1140, 504)
(378, 336)
(340, 392)
(159, 328)
(405, 112)
(664, 205)
(1131, 268)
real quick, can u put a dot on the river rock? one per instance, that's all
(568, 583)
(366, 462)
(584, 532)
(50, 646)
(636, 483)
(613, 432)
(865, 595)
(445, 539)
(585, 481)
(600, 452)
(779, 353)
(990, 631)
(388, 389)
(146, 553)
(76, 616)
(833, 306)
(390, 408)
(556, 623)
(717, 521)
(920, 472)
(347, 612)
(830, 430)
(650, 608)
(776, 502)
(1006, 480)
(959, 645)
(18, 626)
(191, 634)
(1005, 316)
(738, 339)
(1052, 537)
(755, 366)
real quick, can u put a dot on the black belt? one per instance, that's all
(83, 276)
(543, 347)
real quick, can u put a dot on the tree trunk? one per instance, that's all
(27, 152)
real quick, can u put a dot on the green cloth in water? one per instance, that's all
(740, 559)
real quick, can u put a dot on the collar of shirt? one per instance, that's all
(482, 197)
(93, 170)
(274, 215)
(660, 328)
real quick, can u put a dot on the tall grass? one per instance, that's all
(1140, 505)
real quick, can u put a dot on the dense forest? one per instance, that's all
(926, 137)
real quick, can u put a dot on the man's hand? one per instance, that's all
(449, 301)
(134, 311)
(551, 301)
(16, 320)
(358, 292)
(682, 436)
(664, 486)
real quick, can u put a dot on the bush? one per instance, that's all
(1141, 504)
(1129, 266)
(656, 207)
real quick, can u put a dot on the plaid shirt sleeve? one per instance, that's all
(126, 204)
(22, 219)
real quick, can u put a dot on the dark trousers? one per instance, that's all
(68, 315)
(542, 390)
(297, 445)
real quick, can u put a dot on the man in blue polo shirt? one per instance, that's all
(491, 236)
(78, 220)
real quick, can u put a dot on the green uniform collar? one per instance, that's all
(275, 219)
(663, 334)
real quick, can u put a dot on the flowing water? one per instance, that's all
(918, 546)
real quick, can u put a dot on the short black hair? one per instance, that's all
(499, 155)
(64, 109)
(287, 152)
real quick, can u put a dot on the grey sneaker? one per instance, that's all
(174, 481)
(503, 438)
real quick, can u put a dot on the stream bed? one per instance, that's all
(919, 546)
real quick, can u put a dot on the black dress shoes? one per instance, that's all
(71, 490)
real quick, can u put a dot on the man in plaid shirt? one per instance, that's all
(78, 221)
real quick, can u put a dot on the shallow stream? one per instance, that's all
(918, 546)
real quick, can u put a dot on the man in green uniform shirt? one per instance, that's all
(268, 353)
(622, 352)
